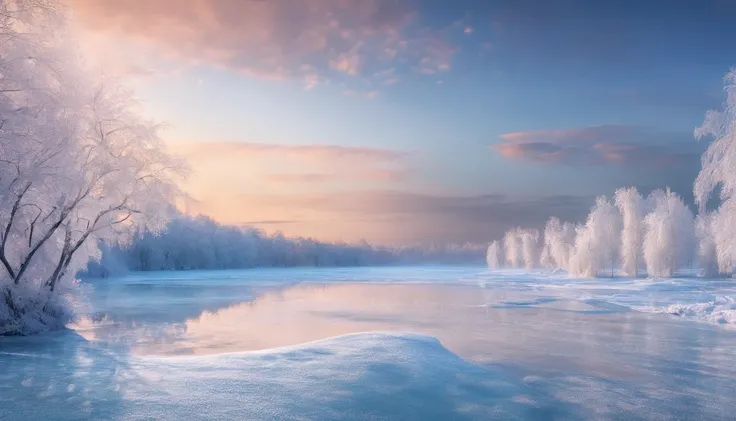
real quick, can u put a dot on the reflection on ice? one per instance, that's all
(532, 346)
(483, 325)
(59, 376)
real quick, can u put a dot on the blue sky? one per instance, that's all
(417, 121)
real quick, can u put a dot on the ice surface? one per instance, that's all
(358, 376)
(382, 343)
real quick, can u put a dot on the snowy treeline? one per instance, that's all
(202, 243)
(629, 233)
(78, 167)
(658, 234)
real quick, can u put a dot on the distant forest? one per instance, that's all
(200, 242)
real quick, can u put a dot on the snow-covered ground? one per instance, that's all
(382, 343)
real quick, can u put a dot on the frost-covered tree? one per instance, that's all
(669, 238)
(559, 240)
(714, 251)
(77, 166)
(545, 259)
(521, 248)
(493, 255)
(512, 244)
(597, 242)
(718, 170)
(529, 247)
(706, 254)
(632, 207)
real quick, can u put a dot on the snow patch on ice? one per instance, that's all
(721, 310)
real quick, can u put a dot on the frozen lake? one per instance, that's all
(382, 343)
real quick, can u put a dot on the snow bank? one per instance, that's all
(722, 310)
(30, 309)
(357, 376)
(365, 376)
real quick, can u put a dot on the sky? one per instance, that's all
(410, 121)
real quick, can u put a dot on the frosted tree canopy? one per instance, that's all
(78, 167)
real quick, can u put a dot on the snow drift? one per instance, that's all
(363, 376)
(721, 310)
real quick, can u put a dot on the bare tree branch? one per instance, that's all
(6, 234)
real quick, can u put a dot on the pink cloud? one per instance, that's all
(387, 76)
(299, 178)
(365, 94)
(224, 169)
(370, 175)
(310, 152)
(610, 145)
(394, 216)
(349, 64)
(274, 39)
(437, 56)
